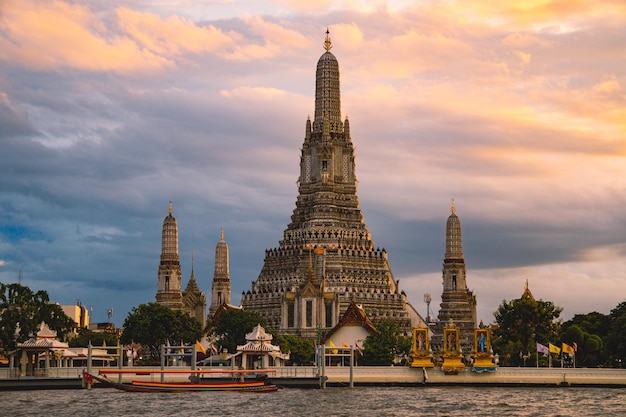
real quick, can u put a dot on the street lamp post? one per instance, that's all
(524, 356)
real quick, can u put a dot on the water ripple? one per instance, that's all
(332, 402)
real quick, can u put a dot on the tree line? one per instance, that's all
(519, 325)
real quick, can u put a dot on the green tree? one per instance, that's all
(380, 348)
(616, 337)
(589, 346)
(521, 323)
(232, 326)
(592, 347)
(22, 311)
(153, 324)
(592, 323)
(301, 351)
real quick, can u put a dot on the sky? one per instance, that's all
(516, 110)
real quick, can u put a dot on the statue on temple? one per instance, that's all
(483, 355)
(452, 356)
(421, 354)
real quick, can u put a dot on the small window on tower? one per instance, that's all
(324, 165)
(309, 313)
(329, 315)
(290, 315)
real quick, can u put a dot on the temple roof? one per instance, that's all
(527, 295)
(40, 343)
(259, 334)
(258, 341)
(192, 285)
(354, 316)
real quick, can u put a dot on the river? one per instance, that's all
(358, 401)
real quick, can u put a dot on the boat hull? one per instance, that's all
(143, 386)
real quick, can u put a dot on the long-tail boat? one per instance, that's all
(196, 384)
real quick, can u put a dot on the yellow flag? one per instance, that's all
(343, 344)
(332, 345)
(200, 348)
(568, 349)
(554, 349)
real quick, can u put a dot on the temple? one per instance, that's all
(169, 279)
(458, 303)
(170, 275)
(327, 258)
(220, 289)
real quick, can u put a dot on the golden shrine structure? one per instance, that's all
(421, 353)
(452, 355)
(482, 358)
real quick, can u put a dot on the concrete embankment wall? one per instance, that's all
(370, 375)
(502, 376)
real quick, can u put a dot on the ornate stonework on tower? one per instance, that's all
(220, 290)
(326, 258)
(194, 300)
(458, 304)
(169, 278)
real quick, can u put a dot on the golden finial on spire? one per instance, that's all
(171, 209)
(327, 44)
(222, 234)
(453, 207)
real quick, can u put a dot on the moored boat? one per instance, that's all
(255, 385)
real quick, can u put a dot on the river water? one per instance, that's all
(358, 401)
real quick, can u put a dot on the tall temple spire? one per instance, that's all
(327, 165)
(326, 257)
(221, 288)
(327, 94)
(193, 274)
(458, 303)
(169, 276)
(454, 241)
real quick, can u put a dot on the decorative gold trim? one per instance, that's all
(327, 43)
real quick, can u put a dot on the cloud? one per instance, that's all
(14, 120)
(171, 36)
(517, 113)
(68, 35)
